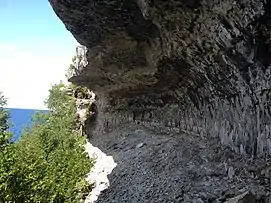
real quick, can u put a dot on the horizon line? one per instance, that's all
(26, 108)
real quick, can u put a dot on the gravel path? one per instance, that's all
(155, 167)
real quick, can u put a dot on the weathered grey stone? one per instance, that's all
(231, 172)
(242, 198)
(195, 69)
(140, 145)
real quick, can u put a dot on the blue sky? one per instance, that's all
(35, 51)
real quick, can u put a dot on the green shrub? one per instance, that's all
(48, 163)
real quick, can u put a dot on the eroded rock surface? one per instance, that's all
(155, 167)
(201, 66)
(198, 72)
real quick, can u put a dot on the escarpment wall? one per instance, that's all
(196, 66)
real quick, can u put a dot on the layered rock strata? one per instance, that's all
(198, 66)
(198, 72)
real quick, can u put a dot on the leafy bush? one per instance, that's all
(48, 163)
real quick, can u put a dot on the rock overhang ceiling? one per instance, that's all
(206, 61)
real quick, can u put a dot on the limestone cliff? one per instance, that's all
(199, 68)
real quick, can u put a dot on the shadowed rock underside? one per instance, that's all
(199, 68)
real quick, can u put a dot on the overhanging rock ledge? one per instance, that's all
(183, 96)
(199, 66)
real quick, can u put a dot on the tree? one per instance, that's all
(4, 115)
(7, 154)
(48, 163)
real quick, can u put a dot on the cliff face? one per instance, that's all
(198, 66)
(194, 67)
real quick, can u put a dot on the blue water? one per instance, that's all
(20, 118)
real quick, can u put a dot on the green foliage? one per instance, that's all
(4, 115)
(7, 156)
(48, 164)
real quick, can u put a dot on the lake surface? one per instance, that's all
(21, 118)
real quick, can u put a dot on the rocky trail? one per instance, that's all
(155, 167)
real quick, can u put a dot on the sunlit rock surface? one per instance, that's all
(79, 62)
(97, 177)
